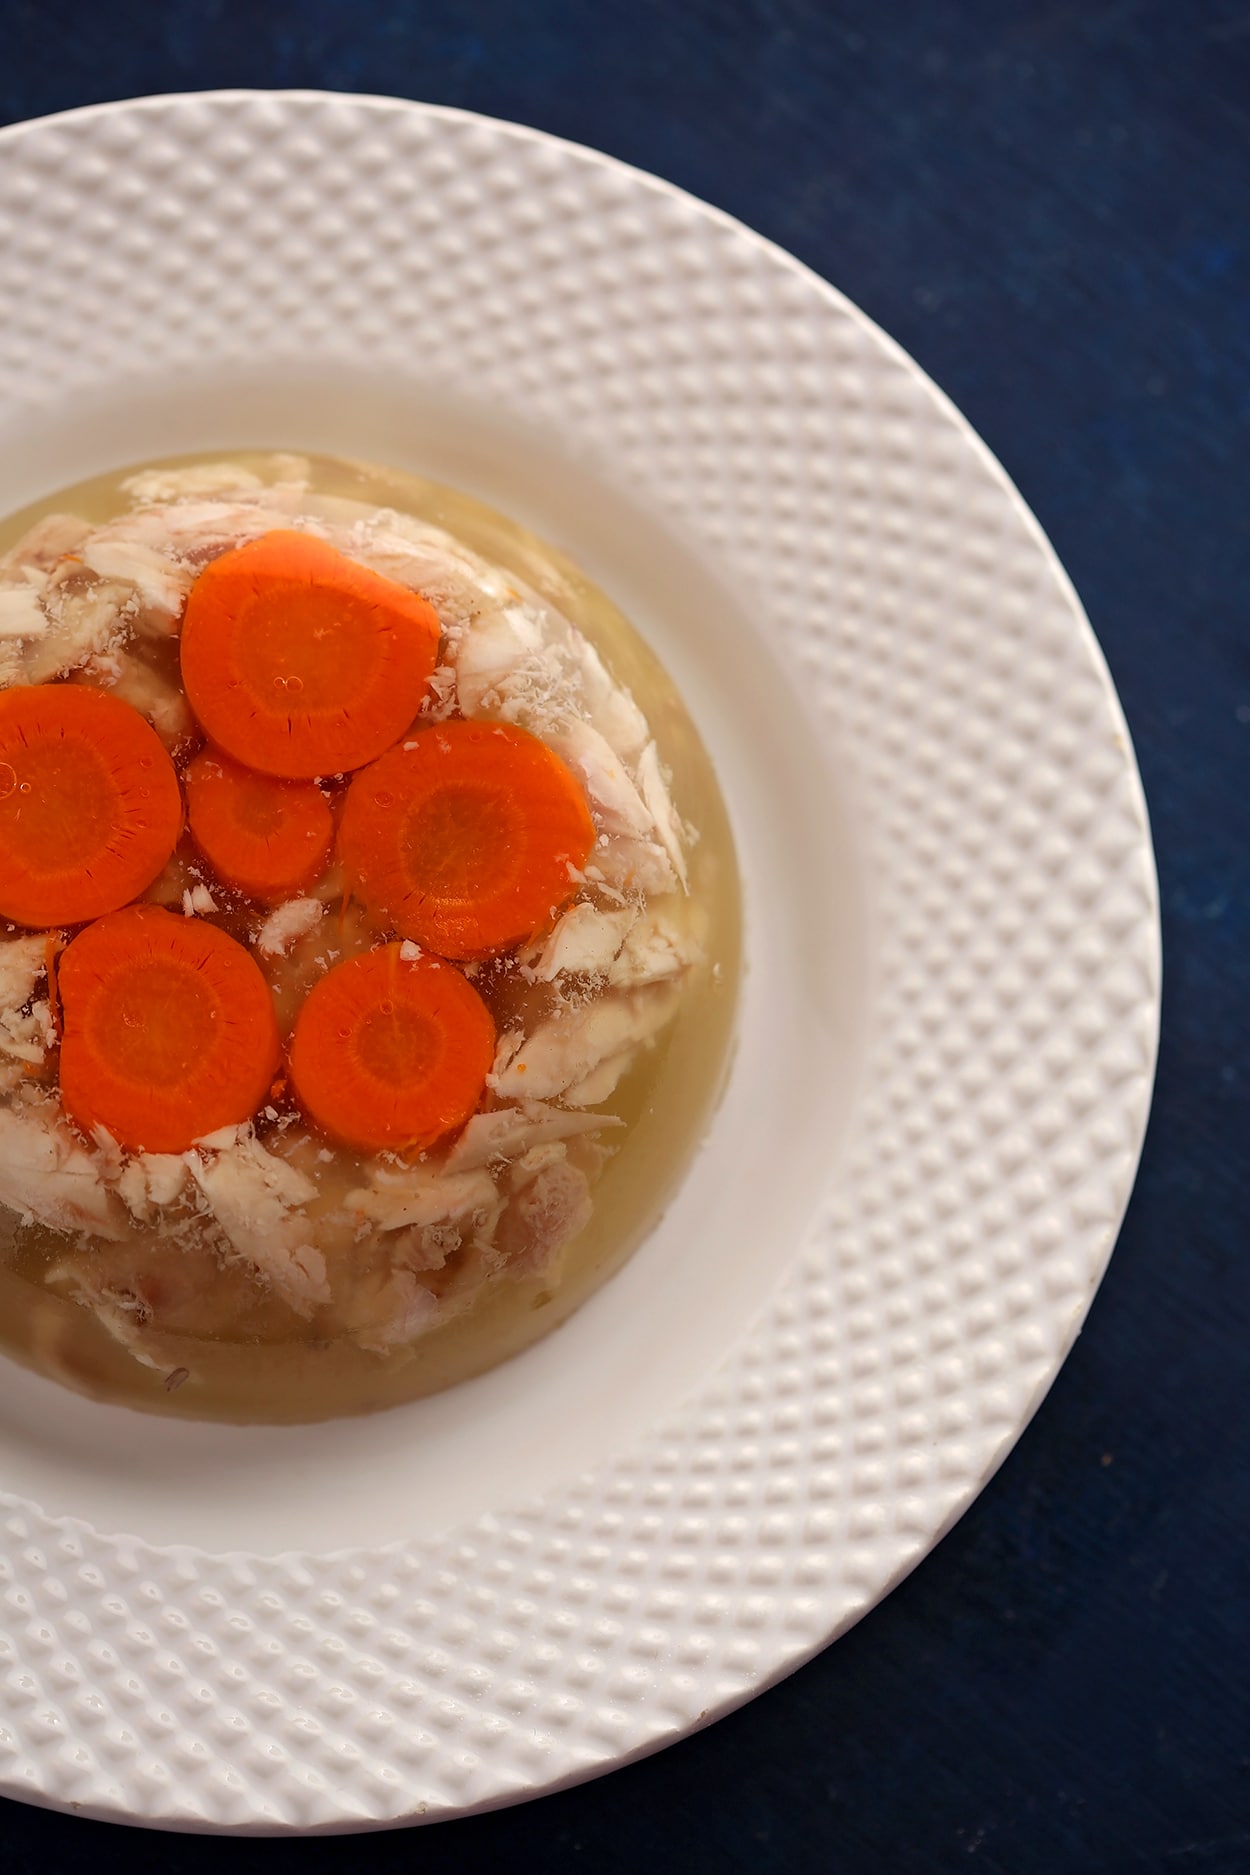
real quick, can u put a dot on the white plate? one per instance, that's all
(947, 1040)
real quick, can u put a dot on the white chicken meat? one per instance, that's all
(48, 1176)
(257, 1199)
(26, 1031)
(570, 1054)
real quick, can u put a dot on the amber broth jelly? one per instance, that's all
(236, 1352)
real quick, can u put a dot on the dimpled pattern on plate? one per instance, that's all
(1012, 1056)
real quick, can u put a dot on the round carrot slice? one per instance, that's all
(169, 1030)
(89, 804)
(300, 662)
(390, 1051)
(467, 837)
(264, 836)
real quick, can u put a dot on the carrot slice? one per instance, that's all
(264, 836)
(169, 1030)
(466, 837)
(390, 1051)
(89, 804)
(298, 661)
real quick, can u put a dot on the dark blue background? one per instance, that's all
(1049, 205)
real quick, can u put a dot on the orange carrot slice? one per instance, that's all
(299, 662)
(264, 836)
(169, 1030)
(467, 837)
(390, 1051)
(89, 804)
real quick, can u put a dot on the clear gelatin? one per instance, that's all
(367, 961)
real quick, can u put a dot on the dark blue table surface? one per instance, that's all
(1048, 204)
